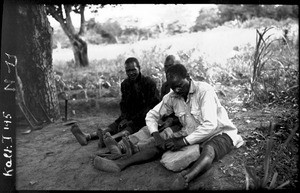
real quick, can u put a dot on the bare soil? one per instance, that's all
(52, 159)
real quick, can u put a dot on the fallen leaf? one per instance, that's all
(50, 152)
(27, 132)
(266, 112)
(32, 182)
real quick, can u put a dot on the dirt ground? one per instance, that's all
(52, 159)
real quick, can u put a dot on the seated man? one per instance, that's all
(166, 121)
(139, 95)
(204, 119)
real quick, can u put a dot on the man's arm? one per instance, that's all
(153, 117)
(171, 121)
(151, 99)
(208, 108)
(123, 106)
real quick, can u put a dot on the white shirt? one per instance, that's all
(201, 115)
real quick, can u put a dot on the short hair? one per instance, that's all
(132, 60)
(177, 70)
(170, 58)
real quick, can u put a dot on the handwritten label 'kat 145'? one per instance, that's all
(7, 142)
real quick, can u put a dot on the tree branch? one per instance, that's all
(82, 20)
(55, 12)
(68, 9)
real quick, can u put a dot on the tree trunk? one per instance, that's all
(80, 51)
(79, 46)
(34, 53)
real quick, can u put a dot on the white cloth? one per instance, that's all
(201, 115)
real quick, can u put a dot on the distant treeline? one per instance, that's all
(213, 17)
(111, 32)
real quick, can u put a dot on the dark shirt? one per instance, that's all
(165, 89)
(138, 98)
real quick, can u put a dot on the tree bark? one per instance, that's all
(80, 51)
(82, 20)
(34, 53)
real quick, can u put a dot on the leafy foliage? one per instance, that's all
(111, 32)
(274, 71)
(207, 19)
(60, 40)
(271, 156)
(245, 12)
(102, 33)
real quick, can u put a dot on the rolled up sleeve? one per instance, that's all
(153, 116)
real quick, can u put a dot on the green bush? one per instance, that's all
(238, 65)
(281, 75)
(273, 71)
(93, 38)
(259, 22)
(60, 39)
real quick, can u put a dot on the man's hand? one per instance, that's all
(124, 123)
(167, 123)
(175, 144)
(159, 141)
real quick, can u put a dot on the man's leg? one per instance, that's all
(143, 140)
(81, 137)
(203, 163)
(112, 128)
(131, 144)
(215, 149)
(107, 165)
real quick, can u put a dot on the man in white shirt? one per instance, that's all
(204, 120)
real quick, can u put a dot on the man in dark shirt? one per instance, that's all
(165, 88)
(139, 95)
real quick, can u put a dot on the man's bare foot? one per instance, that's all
(80, 136)
(180, 182)
(111, 144)
(127, 146)
(101, 151)
(105, 153)
(106, 165)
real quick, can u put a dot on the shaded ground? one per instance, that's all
(52, 159)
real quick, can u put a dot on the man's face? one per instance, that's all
(168, 64)
(132, 70)
(180, 86)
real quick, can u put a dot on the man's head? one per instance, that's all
(132, 68)
(178, 79)
(170, 60)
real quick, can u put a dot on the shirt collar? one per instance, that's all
(192, 87)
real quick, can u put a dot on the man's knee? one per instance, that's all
(112, 128)
(208, 151)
